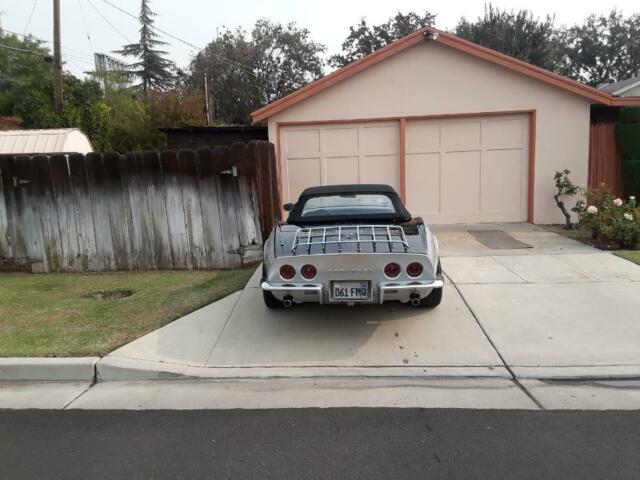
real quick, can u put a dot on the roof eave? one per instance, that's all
(567, 84)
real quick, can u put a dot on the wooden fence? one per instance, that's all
(174, 210)
(605, 161)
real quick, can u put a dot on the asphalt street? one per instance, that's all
(319, 444)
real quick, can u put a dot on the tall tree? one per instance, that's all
(364, 39)
(517, 34)
(605, 48)
(152, 68)
(246, 71)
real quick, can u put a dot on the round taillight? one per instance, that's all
(308, 271)
(414, 269)
(287, 272)
(392, 270)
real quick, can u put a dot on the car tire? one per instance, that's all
(435, 297)
(271, 301)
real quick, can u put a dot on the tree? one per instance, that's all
(604, 49)
(153, 69)
(246, 71)
(364, 39)
(517, 34)
(26, 81)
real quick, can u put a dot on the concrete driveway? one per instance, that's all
(537, 316)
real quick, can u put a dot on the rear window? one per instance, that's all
(347, 204)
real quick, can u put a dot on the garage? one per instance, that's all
(465, 134)
(341, 153)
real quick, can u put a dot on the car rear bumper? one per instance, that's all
(382, 292)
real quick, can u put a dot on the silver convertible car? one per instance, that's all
(351, 244)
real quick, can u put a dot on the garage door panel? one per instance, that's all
(503, 133)
(423, 183)
(340, 153)
(461, 135)
(340, 141)
(382, 169)
(502, 182)
(483, 169)
(303, 143)
(461, 189)
(302, 173)
(341, 170)
(379, 139)
(422, 136)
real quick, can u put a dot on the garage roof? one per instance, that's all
(433, 34)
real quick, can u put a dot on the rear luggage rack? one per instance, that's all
(388, 235)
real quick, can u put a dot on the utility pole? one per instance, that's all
(206, 101)
(57, 60)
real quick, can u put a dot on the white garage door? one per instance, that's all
(467, 170)
(462, 170)
(339, 154)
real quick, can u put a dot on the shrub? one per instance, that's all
(564, 187)
(609, 218)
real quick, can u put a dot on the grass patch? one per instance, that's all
(632, 256)
(69, 314)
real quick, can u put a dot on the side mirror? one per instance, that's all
(288, 207)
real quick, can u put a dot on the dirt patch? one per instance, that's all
(13, 265)
(583, 236)
(110, 294)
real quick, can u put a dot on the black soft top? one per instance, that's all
(400, 215)
(353, 188)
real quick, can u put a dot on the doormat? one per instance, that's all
(497, 239)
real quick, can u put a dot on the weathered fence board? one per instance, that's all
(119, 217)
(100, 211)
(178, 240)
(152, 170)
(140, 211)
(84, 216)
(209, 184)
(6, 249)
(192, 209)
(65, 206)
(14, 227)
(43, 189)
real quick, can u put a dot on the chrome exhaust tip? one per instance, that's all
(415, 300)
(287, 301)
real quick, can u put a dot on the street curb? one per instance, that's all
(113, 369)
(48, 369)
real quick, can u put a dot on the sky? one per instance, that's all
(90, 26)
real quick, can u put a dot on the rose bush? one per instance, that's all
(609, 218)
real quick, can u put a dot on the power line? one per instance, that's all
(107, 20)
(33, 9)
(225, 59)
(23, 50)
(84, 21)
(80, 52)
(73, 62)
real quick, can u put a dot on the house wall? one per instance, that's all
(433, 79)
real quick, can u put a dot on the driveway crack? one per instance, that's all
(494, 346)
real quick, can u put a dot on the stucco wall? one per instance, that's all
(432, 79)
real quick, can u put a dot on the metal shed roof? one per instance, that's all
(62, 140)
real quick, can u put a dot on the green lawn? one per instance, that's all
(57, 315)
(632, 256)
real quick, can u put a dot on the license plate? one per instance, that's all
(350, 290)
